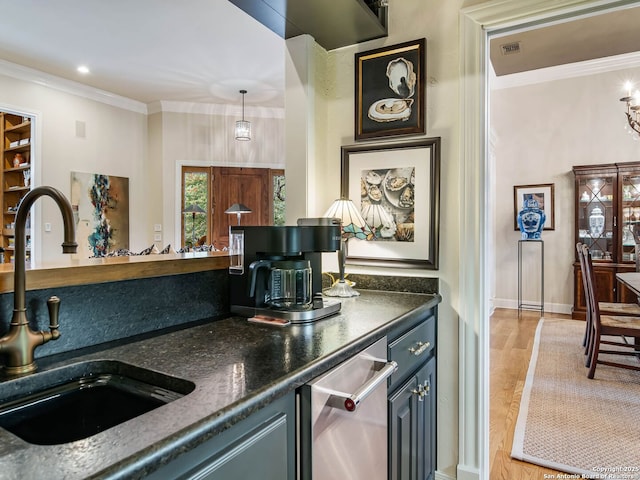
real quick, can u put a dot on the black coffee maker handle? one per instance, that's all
(253, 270)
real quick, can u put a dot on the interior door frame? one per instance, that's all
(36, 173)
(477, 24)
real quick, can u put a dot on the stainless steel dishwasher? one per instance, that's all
(342, 419)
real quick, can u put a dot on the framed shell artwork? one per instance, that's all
(396, 187)
(390, 91)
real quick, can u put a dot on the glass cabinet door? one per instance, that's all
(596, 215)
(630, 213)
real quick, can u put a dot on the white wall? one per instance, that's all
(540, 132)
(115, 144)
(126, 142)
(204, 136)
(436, 20)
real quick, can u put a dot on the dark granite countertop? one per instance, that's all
(237, 367)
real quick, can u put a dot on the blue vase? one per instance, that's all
(531, 220)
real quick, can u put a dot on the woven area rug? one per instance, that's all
(590, 428)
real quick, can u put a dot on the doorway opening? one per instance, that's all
(475, 262)
(16, 176)
(207, 192)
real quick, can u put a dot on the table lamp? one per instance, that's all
(352, 225)
(238, 209)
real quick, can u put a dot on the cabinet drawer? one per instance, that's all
(412, 349)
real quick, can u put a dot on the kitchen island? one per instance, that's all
(237, 368)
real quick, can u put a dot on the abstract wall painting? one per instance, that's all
(101, 209)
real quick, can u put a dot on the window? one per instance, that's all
(196, 201)
(278, 196)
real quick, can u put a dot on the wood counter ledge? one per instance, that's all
(113, 269)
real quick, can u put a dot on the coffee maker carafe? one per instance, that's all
(288, 283)
(277, 272)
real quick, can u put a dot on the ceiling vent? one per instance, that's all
(510, 48)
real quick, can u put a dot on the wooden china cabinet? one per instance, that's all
(607, 211)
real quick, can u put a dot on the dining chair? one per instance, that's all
(606, 308)
(583, 272)
(608, 325)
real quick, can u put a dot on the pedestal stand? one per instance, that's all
(521, 304)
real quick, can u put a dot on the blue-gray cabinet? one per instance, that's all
(412, 403)
(263, 445)
(260, 446)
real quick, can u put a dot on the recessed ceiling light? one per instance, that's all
(83, 69)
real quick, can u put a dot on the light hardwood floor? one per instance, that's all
(511, 341)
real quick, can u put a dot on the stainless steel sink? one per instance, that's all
(80, 400)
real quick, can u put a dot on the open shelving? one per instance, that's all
(16, 131)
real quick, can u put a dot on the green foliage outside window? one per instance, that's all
(195, 193)
(279, 196)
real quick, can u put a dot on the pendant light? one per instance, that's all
(243, 128)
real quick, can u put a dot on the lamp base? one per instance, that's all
(341, 288)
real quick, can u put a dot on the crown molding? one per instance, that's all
(169, 106)
(37, 77)
(562, 72)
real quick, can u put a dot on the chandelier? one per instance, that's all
(633, 108)
(243, 128)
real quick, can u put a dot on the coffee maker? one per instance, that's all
(276, 271)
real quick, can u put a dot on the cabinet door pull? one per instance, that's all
(426, 387)
(420, 349)
(420, 392)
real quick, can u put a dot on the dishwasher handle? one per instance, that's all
(350, 402)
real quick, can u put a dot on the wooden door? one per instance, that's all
(249, 186)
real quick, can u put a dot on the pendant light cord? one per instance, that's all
(243, 92)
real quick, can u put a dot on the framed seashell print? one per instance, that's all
(390, 91)
(396, 187)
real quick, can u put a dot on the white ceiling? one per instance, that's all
(149, 50)
(207, 50)
(563, 42)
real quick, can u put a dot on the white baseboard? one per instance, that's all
(466, 472)
(442, 476)
(548, 307)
